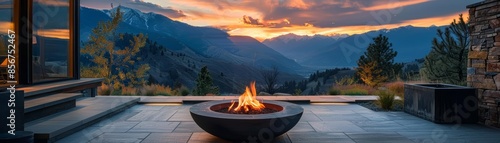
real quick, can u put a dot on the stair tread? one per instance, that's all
(86, 111)
(47, 101)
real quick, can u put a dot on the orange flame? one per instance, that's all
(248, 101)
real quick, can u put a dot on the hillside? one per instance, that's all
(410, 43)
(233, 61)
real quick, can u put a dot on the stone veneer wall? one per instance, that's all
(484, 59)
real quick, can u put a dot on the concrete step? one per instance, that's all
(48, 105)
(87, 111)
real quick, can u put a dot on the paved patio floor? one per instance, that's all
(334, 122)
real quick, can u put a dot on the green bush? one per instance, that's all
(397, 88)
(104, 90)
(346, 80)
(148, 90)
(355, 91)
(184, 92)
(385, 100)
(128, 91)
(163, 90)
(334, 91)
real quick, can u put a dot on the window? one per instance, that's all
(51, 46)
(6, 24)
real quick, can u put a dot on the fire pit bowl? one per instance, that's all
(246, 127)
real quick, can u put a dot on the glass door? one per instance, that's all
(52, 49)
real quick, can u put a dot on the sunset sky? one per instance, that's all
(263, 19)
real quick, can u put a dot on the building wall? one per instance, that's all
(484, 59)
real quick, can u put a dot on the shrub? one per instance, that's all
(346, 80)
(116, 92)
(385, 100)
(128, 91)
(104, 90)
(397, 88)
(355, 91)
(163, 90)
(148, 90)
(184, 91)
(334, 91)
(297, 92)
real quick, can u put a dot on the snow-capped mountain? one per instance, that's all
(241, 59)
(293, 37)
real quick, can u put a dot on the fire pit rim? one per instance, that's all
(203, 109)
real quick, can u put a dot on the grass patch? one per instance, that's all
(128, 91)
(385, 100)
(355, 89)
(397, 88)
(145, 90)
(104, 90)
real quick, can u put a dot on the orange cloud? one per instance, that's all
(393, 5)
(262, 33)
(298, 4)
(437, 21)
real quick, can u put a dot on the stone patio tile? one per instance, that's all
(379, 137)
(375, 116)
(379, 126)
(181, 115)
(82, 136)
(152, 115)
(454, 135)
(335, 126)
(371, 123)
(302, 127)
(312, 137)
(414, 122)
(167, 138)
(118, 127)
(335, 111)
(120, 138)
(204, 137)
(344, 106)
(155, 127)
(309, 116)
(341, 117)
(155, 108)
(188, 127)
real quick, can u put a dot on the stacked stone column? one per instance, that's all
(484, 59)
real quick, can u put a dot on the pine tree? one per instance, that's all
(270, 78)
(447, 60)
(371, 75)
(204, 83)
(117, 65)
(377, 64)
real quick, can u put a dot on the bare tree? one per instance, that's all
(270, 79)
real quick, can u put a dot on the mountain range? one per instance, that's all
(320, 52)
(232, 60)
(237, 60)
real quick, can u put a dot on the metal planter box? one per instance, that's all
(442, 103)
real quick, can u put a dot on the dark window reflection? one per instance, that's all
(51, 54)
(6, 23)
